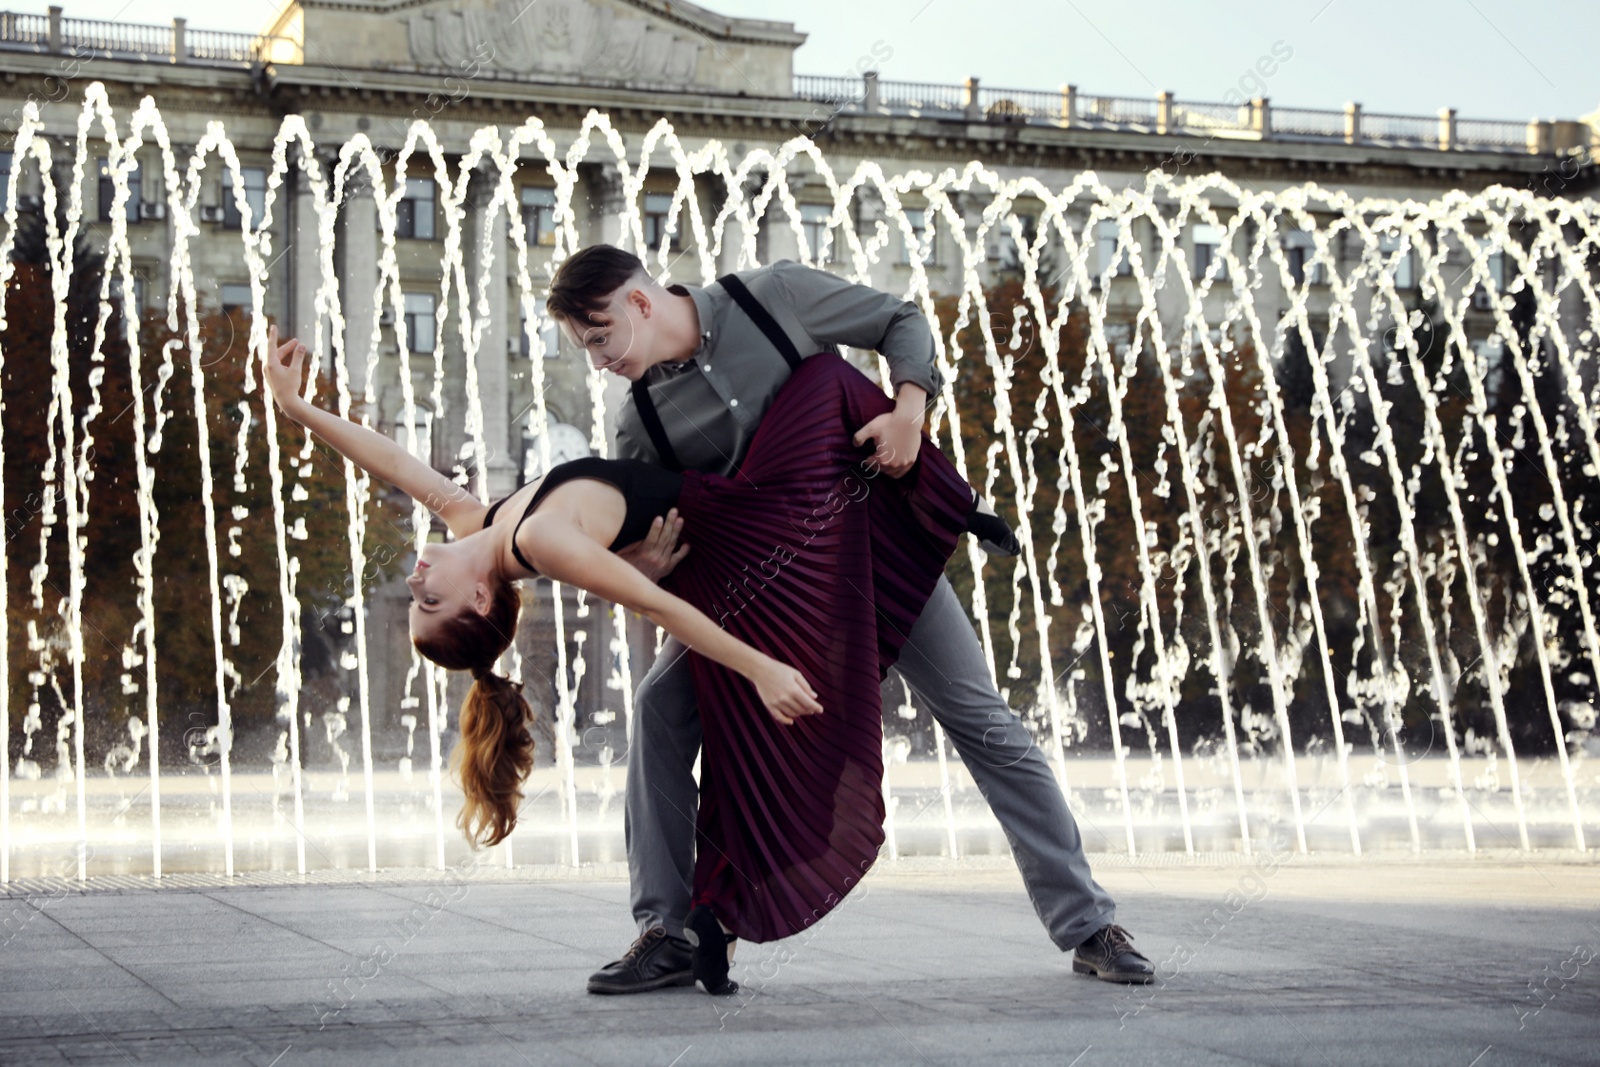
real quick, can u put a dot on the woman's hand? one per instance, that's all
(285, 370)
(785, 692)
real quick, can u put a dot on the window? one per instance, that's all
(814, 224)
(414, 214)
(1401, 267)
(108, 192)
(1481, 299)
(1491, 354)
(135, 309)
(656, 208)
(421, 427)
(1119, 336)
(420, 322)
(236, 297)
(255, 194)
(926, 241)
(1105, 239)
(5, 176)
(1208, 241)
(1299, 249)
(1005, 250)
(548, 334)
(539, 215)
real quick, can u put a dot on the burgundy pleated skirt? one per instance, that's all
(823, 564)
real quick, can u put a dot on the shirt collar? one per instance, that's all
(706, 311)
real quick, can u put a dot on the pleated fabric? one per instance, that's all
(824, 564)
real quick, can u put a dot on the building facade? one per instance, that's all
(368, 69)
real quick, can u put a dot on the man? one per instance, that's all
(705, 365)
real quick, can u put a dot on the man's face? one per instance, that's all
(619, 336)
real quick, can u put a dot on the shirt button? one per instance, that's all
(734, 402)
(706, 368)
(706, 335)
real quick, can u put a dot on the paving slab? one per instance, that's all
(1440, 959)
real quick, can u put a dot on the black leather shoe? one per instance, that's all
(1108, 956)
(653, 961)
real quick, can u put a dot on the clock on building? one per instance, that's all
(566, 442)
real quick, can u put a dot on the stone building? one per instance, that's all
(370, 67)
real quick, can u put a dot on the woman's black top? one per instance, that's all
(646, 491)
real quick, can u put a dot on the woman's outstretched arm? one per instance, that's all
(564, 553)
(371, 451)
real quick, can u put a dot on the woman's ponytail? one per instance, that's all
(495, 751)
(493, 756)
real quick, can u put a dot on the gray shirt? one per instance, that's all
(711, 403)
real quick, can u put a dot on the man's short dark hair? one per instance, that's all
(583, 284)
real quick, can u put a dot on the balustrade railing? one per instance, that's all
(1066, 107)
(140, 42)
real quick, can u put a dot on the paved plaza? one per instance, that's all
(1445, 959)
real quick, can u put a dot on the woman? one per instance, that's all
(804, 557)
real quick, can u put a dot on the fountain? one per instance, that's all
(1379, 415)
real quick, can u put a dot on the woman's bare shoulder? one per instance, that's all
(585, 507)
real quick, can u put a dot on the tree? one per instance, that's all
(247, 546)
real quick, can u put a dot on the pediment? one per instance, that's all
(647, 43)
(581, 38)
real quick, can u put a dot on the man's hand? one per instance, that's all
(897, 433)
(654, 557)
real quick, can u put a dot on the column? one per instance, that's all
(606, 211)
(971, 104)
(305, 263)
(715, 194)
(871, 97)
(733, 230)
(869, 209)
(1352, 123)
(487, 269)
(358, 276)
(606, 207)
(782, 242)
(1261, 117)
(970, 204)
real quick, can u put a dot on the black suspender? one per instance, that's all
(652, 425)
(764, 322)
(762, 319)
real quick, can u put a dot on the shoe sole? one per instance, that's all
(1124, 978)
(680, 978)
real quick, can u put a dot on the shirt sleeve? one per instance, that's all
(840, 312)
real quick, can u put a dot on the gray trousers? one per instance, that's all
(943, 664)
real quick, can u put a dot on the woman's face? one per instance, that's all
(445, 582)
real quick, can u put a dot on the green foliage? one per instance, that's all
(187, 668)
(1371, 517)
